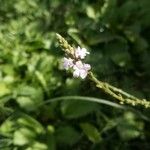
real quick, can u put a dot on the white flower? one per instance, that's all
(81, 52)
(81, 70)
(67, 63)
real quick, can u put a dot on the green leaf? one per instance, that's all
(4, 89)
(67, 135)
(28, 121)
(90, 12)
(38, 146)
(23, 136)
(26, 102)
(76, 109)
(128, 127)
(5, 144)
(91, 132)
(7, 127)
(29, 97)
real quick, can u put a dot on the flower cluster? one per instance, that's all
(80, 69)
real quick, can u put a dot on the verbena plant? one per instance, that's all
(44, 108)
(80, 69)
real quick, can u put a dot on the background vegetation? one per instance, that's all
(117, 33)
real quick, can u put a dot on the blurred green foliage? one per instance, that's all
(116, 33)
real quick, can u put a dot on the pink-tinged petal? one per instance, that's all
(75, 67)
(79, 64)
(67, 63)
(79, 48)
(84, 51)
(87, 67)
(81, 52)
(76, 73)
(77, 52)
(83, 74)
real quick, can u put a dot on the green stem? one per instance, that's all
(117, 93)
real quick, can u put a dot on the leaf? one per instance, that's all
(76, 109)
(4, 89)
(91, 132)
(67, 135)
(28, 121)
(23, 136)
(128, 127)
(118, 52)
(99, 38)
(37, 146)
(29, 97)
(26, 102)
(18, 120)
(7, 127)
(90, 12)
(5, 144)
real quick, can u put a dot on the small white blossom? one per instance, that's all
(81, 52)
(67, 63)
(81, 70)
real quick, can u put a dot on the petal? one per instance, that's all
(87, 67)
(70, 62)
(75, 67)
(84, 50)
(83, 74)
(76, 73)
(79, 64)
(79, 48)
(65, 59)
(77, 52)
(82, 56)
(66, 66)
(67, 63)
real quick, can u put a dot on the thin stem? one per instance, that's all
(117, 93)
